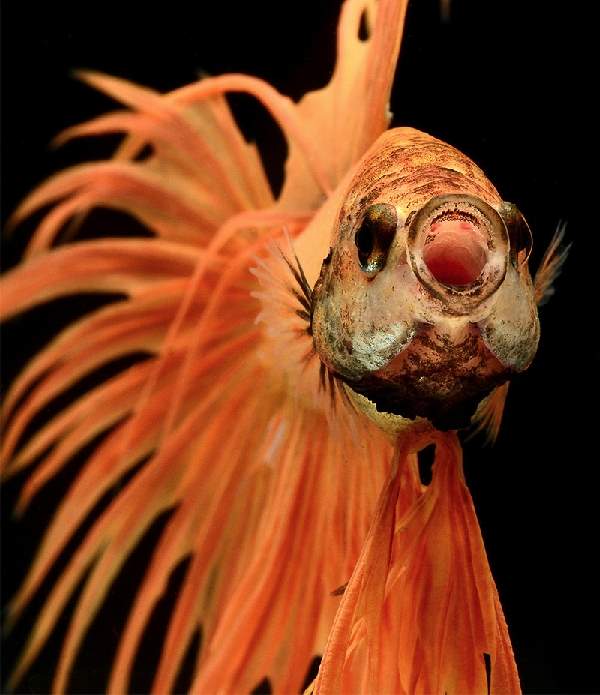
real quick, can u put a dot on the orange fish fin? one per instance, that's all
(286, 298)
(488, 416)
(193, 141)
(551, 265)
(345, 117)
(225, 426)
(421, 610)
(286, 317)
(280, 606)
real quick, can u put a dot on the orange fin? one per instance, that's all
(551, 265)
(421, 611)
(488, 416)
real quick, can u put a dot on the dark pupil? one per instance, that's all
(364, 240)
(374, 236)
(520, 235)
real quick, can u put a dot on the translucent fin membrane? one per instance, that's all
(421, 611)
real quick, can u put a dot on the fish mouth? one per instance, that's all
(457, 248)
(435, 378)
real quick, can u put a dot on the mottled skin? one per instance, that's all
(409, 343)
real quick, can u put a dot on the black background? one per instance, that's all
(508, 83)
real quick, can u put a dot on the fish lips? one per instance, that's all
(456, 300)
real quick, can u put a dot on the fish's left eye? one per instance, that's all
(519, 234)
(374, 237)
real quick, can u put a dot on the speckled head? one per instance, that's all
(425, 302)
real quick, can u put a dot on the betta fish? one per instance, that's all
(300, 350)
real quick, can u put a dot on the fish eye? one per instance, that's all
(519, 233)
(374, 237)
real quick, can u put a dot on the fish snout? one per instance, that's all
(458, 249)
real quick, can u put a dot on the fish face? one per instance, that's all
(424, 303)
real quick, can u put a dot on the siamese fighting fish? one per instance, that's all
(298, 351)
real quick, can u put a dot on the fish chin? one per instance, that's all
(444, 369)
(439, 377)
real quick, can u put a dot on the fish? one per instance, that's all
(423, 308)
(288, 461)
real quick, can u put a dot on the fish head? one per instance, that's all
(425, 303)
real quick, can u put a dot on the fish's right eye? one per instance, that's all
(374, 237)
(519, 233)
